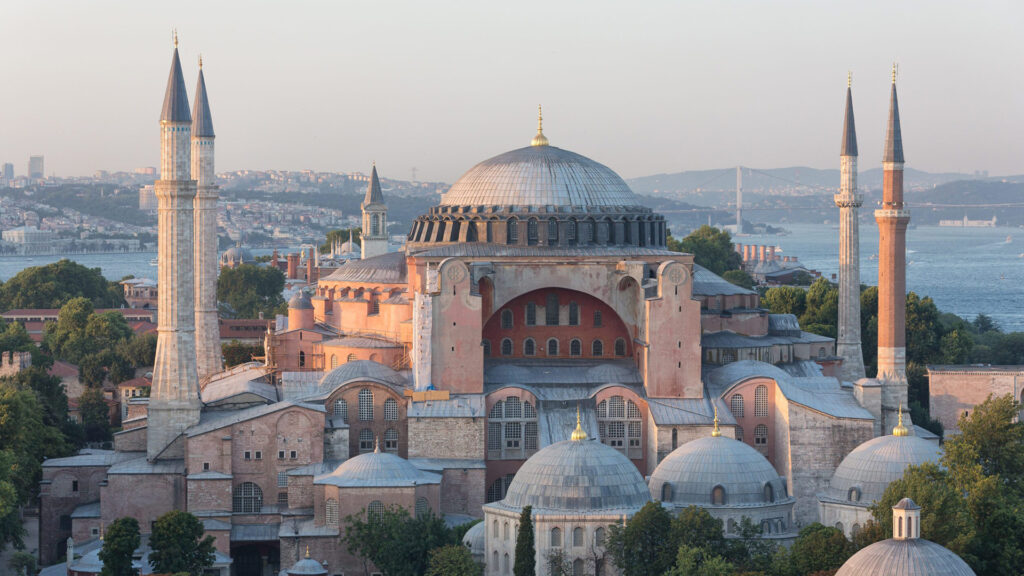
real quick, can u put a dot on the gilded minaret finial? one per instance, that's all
(894, 69)
(307, 550)
(175, 38)
(900, 429)
(200, 61)
(849, 78)
(578, 434)
(715, 432)
(539, 139)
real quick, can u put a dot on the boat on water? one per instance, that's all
(154, 262)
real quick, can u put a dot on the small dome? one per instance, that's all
(577, 476)
(237, 254)
(300, 301)
(474, 539)
(539, 175)
(307, 567)
(914, 557)
(377, 469)
(697, 467)
(360, 370)
(875, 464)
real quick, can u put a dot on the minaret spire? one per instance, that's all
(540, 139)
(849, 201)
(208, 351)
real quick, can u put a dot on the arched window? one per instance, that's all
(597, 348)
(512, 231)
(556, 537)
(718, 496)
(552, 232)
(769, 493)
(505, 565)
(736, 405)
(341, 409)
(302, 358)
(739, 433)
(599, 537)
(390, 409)
(570, 232)
(620, 425)
(351, 358)
(506, 347)
(597, 318)
(495, 555)
(496, 492)
(761, 401)
(531, 314)
(422, 506)
(552, 347)
(574, 314)
(577, 537)
(375, 509)
(853, 495)
(331, 512)
(839, 526)
(391, 440)
(856, 529)
(529, 347)
(487, 347)
(504, 531)
(666, 492)
(490, 235)
(675, 438)
(551, 310)
(577, 568)
(506, 319)
(731, 526)
(365, 405)
(247, 499)
(575, 347)
(761, 435)
(334, 361)
(365, 441)
(494, 531)
(531, 231)
(374, 225)
(511, 429)
(620, 347)
(821, 352)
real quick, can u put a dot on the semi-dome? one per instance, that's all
(539, 176)
(377, 469)
(360, 370)
(577, 476)
(695, 469)
(867, 471)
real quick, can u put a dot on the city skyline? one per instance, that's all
(648, 89)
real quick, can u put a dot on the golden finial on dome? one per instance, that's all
(900, 429)
(893, 72)
(175, 32)
(307, 550)
(577, 434)
(715, 432)
(540, 139)
(200, 61)
(849, 78)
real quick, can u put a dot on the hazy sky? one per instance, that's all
(644, 87)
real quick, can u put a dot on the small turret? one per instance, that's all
(374, 235)
(906, 520)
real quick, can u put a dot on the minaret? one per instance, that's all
(375, 216)
(892, 220)
(849, 201)
(174, 402)
(208, 351)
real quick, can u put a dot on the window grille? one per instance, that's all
(302, 358)
(739, 433)
(736, 405)
(341, 409)
(761, 401)
(247, 499)
(506, 347)
(282, 498)
(365, 405)
(375, 509)
(365, 441)
(599, 537)
(570, 232)
(552, 347)
(513, 434)
(529, 347)
(761, 435)
(616, 407)
(551, 310)
(282, 479)
(334, 361)
(556, 537)
(531, 231)
(552, 232)
(374, 305)
(494, 436)
(575, 348)
(513, 408)
(513, 232)
(531, 435)
(529, 411)
(506, 319)
(597, 318)
(577, 537)
(597, 348)
(487, 348)
(331, 512)
(351, 358)
(391, 440)
(574, 314)
(498, 410)
(422, 506)
(390, 409)
(620, 347)
(632, 410)
(531, 314)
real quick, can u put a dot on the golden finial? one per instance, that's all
(578, 434)
(307, 550)
(175, 38)
(849, 79)
(200, 61)
(539, 139)
(893, 72)
(715, 432)
(101, 531)
(900, 429)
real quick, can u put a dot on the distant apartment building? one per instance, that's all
(35, 167)
(140, 292)
(147, 198)
(7, 173)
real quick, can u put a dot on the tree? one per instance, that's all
(955, 347)
(739, 278)
(178, 544)
(11, 531)
(140, 350)
(49, 393)
(120, 540)
(697, 561)
(526, 553)
(711, 248)
(990, 443)
(643, 546)
(248, 290)
(396, 543)
(821, 314)
(785, 300)
(983, 324)
(23, 564)
(696, 527)
(452, 560)
(92, 406)
(818, 548)
(236, 353)
(23, 433)
(53, 285)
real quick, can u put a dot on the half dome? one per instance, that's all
(862, 477)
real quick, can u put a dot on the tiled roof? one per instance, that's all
(210, 421)
(707, 283)
(389, 268)
(141, 465)
(457, 406)
(482, 250)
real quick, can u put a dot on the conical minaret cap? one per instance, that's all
(849, 130)
(893, 138)
(176, 98)
(202, 123)
(373, 193)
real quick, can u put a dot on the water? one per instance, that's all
(967, 271)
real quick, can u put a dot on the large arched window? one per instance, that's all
(761, 401)
(506, 347)
(620, 425)
(718, 496)
(511, 429)
(552, 232)
(531, 231)
(247, 499)
(375, 509)
(556, 537)
(334, 361)
(512, 231)
(365, 405)
(574, 314)
(736, 405)
(577, 537)
(391, 440)
(351, 358)
(496, 491)
(390, 409)
(506, 319)
(365, 441)
(575, 347)
(552, 347)
(620, 347)
(331, 512)
(529, 347)
(597, 348)
(760, 435)
(551, 310)
(341, 409)
(578, 568)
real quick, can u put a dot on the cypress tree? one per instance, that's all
(525, 552)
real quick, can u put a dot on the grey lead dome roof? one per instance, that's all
(697, 467)
(873, 465)
(307, 567)
(911, 557)
(377, 469)
(577, 476)
(539, 176)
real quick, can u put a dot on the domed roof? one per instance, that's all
(377, 469)
(238, 254)
(300, 301)
(306, 567)
(875, 464)
(474, 539)
(911, 557)
(577, 476)
(539, 175)
(697, 467)
(360, 370)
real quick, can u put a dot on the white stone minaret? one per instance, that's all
(374, 237)
(208, 351)
(848, 345)
(174, 402)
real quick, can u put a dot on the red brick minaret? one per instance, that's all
(892, 219)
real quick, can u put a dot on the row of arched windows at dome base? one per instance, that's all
(570, 542)
(718, 496)
(553, 348)
(373, 509)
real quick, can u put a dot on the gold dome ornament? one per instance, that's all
(715, 432)
(578, 434)
(900, 429)
(540, 139)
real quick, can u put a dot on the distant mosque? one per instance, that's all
(535, 343)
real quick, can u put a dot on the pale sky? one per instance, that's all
(644, 87)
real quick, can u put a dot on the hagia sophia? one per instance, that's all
(534, 343)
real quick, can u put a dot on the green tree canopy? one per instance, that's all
(120, 540)
(236, 353)
(697, 561)
(526, 552)
(178, 544)
(739, 278)
(23, 432)
(11, 531)
(819, 548)
(452, 560)
(785, 300)
(248, 290)
(53, 285)
(711, 248)
(643, 546)
(95, 415)
(395, 542)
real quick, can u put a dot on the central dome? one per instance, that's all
(539, 176)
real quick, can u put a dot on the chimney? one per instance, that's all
(771, 253)
(293, 266)
(761, 252)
